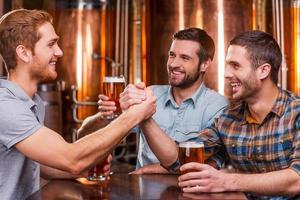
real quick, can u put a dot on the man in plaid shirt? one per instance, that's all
(259, 134)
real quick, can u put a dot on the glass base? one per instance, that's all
(112, 117)
(97, 178)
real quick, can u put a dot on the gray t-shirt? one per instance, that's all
(20, 117)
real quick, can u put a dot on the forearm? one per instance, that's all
(282, 182)
(52, 173)
(92, 124)
(52, 150)
(151, 169)
(161, 144)
(95, 147)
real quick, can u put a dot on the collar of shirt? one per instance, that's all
(200, 91)
(19, 93)
(277, 109)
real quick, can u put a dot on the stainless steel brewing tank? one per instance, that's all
(86, 37)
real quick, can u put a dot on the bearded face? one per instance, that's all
(46, 54)
(240, 73)
(183, 63)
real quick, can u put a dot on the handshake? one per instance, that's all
(136, 99)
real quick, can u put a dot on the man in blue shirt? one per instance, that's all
(184, 107)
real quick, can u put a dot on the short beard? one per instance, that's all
(250, 89)
(189, 80)
(42, 75)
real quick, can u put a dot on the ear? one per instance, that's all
(205, 65)
(23, 53)
(264, 70)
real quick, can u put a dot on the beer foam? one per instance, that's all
(191, 144)
(114, 79)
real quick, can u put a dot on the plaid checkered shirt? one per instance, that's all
(253, 147)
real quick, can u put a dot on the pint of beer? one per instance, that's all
(191, 152)
(96, 173)
(113, 86)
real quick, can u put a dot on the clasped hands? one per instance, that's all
(200, 177)
(136, 97)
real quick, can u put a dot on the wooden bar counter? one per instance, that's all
(124, 186)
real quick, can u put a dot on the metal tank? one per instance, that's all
(94, 36)
(87, 38)
(291, 38)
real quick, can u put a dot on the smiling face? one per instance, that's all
(241, 75)
(46, 54)
(183, 63)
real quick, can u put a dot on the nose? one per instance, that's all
(58, 52)
(174, 62)
(227, 72)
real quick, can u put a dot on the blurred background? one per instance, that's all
(132, 38)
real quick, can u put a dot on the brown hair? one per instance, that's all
(261, 48)
(207, 46)
(20, 27)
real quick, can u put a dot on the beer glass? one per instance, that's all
(113, 86)
(96, 173)
(191, 152)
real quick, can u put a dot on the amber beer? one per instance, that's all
(96, 173)
(113, 86)
(191, 152)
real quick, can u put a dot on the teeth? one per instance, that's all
(235, 84)
(176, 72)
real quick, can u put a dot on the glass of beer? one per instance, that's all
(191, 152)
(113, 86)
(96, 173)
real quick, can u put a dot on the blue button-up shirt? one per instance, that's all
(181, 122)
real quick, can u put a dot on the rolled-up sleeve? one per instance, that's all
(214, 147)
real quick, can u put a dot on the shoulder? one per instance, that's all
(290, 101)
(291, 97)
(8, 101)
(291, 107)
(5, 94)
(215, 99)
(11, 107)
(160, 90)
(212, 103)
(233, 112)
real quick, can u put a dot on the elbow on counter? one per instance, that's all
(294, 188)
(75, 168)
(73, 163)
(170, 158)
(291, 180)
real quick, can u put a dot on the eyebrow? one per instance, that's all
(54, 39)
(185, 55)
(232, 62)
(181, 55)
